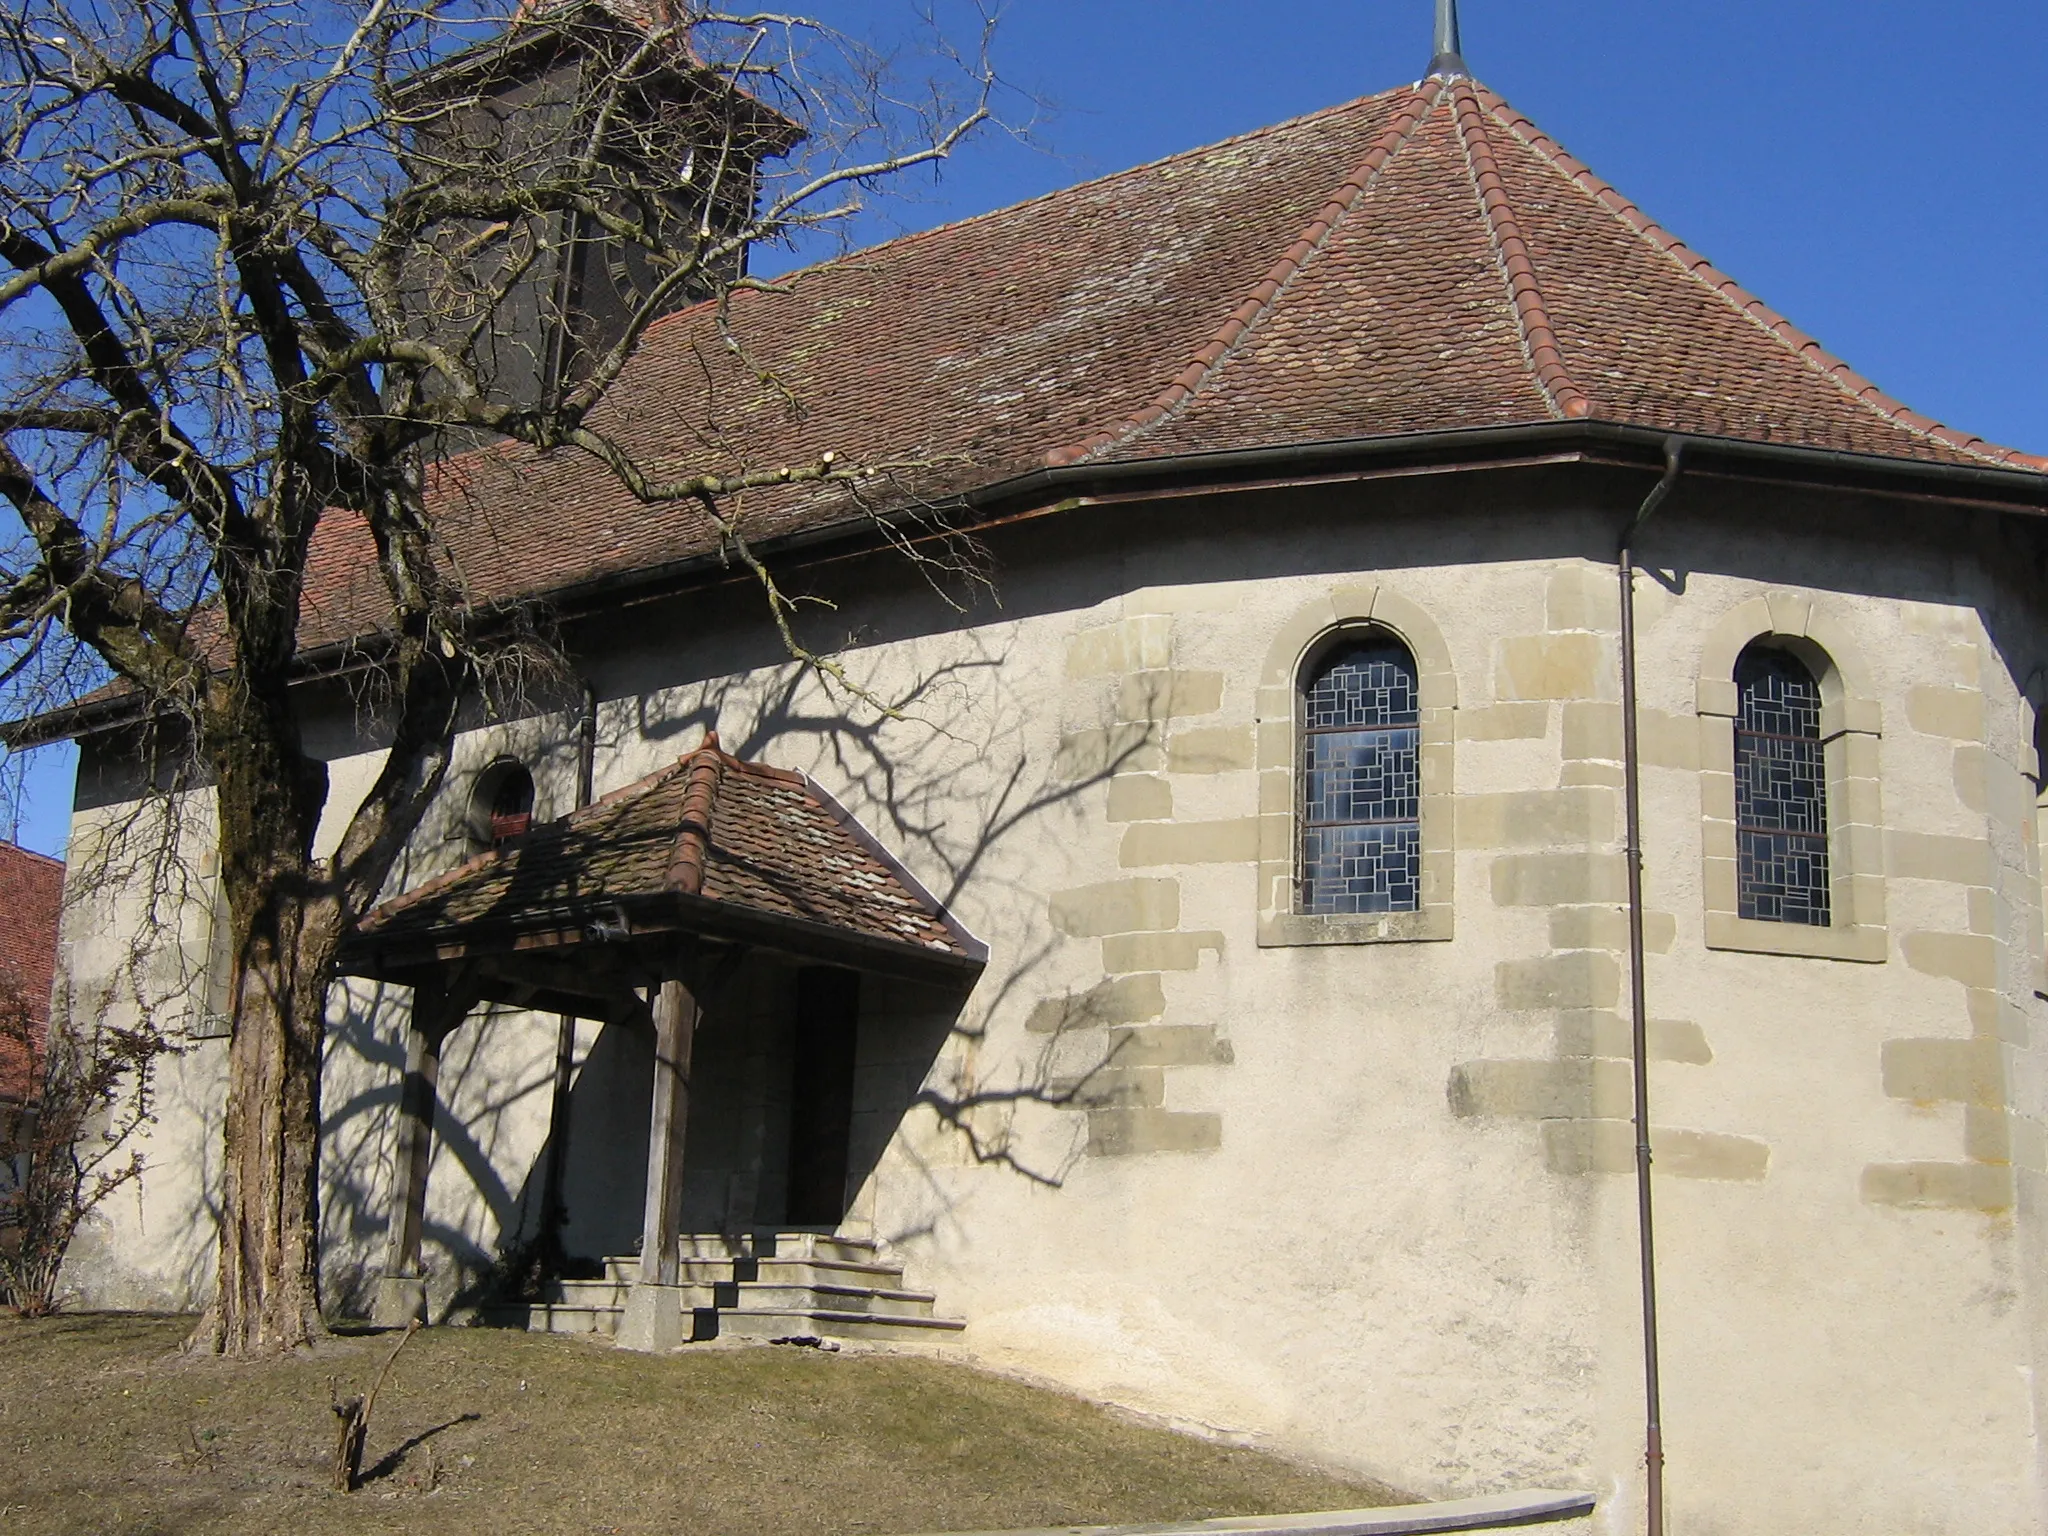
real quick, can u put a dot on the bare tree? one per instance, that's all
(70, 1146)
(269, 264)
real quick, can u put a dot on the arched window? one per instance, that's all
(1361, 842)
(1781, 793)
(501, 804)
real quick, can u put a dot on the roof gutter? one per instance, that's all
(2013, 489)
(1050, 489)
(1042, 491)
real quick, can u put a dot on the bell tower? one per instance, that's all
(541, 143)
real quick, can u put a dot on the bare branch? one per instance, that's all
(267, 260)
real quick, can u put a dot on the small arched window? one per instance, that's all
(501, 805)
(1361, 839)
(1781, 792)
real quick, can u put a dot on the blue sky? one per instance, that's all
(1877, 171)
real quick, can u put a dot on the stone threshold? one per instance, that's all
(1490, 1512)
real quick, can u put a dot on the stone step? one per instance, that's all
(551, 1317)
(763, 1285)
(790, 1272)
(754, 1296)
(606, 1293)
(777, 1245)
(818, 1322)
(789, 1269)
(801, 1292)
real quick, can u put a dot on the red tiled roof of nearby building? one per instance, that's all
(1417, 261)
(31, 897)
(762, 841)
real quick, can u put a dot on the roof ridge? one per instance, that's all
(1265, 293)
(1532, 316)
(764, 770)
(693, 823)
(1704, 272)
(910, 236)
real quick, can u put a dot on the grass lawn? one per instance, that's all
(105, 1428)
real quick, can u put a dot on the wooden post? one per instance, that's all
(654, 1317)
(554, 1211)
(675, 1030)
(402, 1292)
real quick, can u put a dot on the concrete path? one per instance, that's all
(1494, 1511)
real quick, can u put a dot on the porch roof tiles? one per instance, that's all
(709, 829)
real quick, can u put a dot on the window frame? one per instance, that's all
(1313, 666)
(1344, 614)
(480, 825)
(1808, 772)
(1850, 731)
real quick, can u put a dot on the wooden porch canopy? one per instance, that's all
(571, 914)
(612, 912)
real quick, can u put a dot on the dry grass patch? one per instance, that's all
(105, 1428)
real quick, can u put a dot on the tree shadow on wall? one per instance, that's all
(947, 780)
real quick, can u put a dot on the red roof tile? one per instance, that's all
(1612, 320)
(31, 897)
(745, 836)
(1421, 260)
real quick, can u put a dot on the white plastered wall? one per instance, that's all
(1363, 1203)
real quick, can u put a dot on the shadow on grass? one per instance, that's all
(115, 1330)
(392, 1459)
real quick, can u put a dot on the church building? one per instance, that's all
(1220, 983)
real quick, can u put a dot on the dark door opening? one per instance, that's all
(821, 1094)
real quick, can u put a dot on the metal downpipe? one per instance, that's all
(1639, 1027)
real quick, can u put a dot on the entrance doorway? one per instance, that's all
(823, 1051)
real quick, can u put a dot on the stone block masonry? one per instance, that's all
(1126, 1081)
(1558, 852)
(1971, 1070)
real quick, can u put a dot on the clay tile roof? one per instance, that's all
(1480, 276)
(1422, 260)
(31, 896)
(751, 839)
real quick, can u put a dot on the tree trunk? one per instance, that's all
(268, 1297)
(285, 928)
(288, 913)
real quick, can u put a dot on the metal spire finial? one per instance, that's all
(1450, 60)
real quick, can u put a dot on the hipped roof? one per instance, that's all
(709, 845)
(1420, 267)
(1420, 261)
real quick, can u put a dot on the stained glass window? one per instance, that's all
(1361, 836)
(1781, 795)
